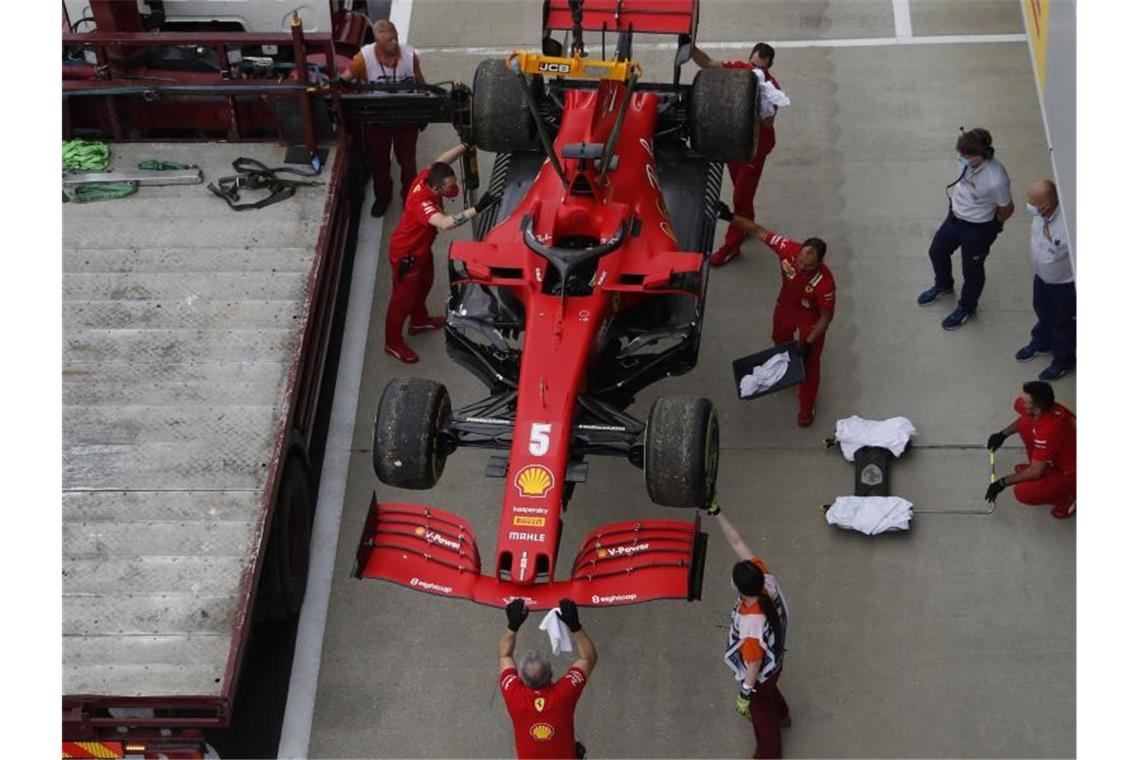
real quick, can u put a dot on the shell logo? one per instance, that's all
(534, 481)
(602, 553)
(542, 732)
(421, 531)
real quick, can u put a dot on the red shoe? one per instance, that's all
(433, 323)
(403, 353)
(723, 256)
(804, 419)
(1064, 513)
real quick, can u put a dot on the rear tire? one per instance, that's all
(285, 570)
(723, 114)
(682, 451)
(500, 119)
(406, 448)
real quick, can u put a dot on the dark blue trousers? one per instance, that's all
(975, 240)
(1056, 328)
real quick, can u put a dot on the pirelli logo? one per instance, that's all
(530, 522)
(93, 749)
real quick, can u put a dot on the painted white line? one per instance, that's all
(297, 725)
(948, 39)
(401, 15)
(902, 18)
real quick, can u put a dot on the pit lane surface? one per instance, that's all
(949, 640)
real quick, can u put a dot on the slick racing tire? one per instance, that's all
(682, 451)
(406, 448)
(500, 119)
(723, 114)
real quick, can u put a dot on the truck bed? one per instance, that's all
(182, 322)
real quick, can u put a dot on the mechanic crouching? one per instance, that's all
(806, 304)
(542, 710)
(409, 251)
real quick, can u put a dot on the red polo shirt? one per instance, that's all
(543, 718)
(414, 234)
(808, 292)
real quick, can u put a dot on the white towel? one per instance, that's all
(766, 375)
(770, 95)
(871, 514)
(855, 432)
(558, 631)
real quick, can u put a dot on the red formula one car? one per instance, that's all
(585, 285)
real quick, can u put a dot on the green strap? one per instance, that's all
(155, 165)
(102, 191)
(86, 156)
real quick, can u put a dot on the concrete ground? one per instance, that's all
(950, 640)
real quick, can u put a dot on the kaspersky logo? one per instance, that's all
(534, 481)
(623, 551)
(436, 538)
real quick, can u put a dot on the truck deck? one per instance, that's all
(182, 324)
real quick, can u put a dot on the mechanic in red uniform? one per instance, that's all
(806, 303)
(1049, 431)
(542, 711)
(755, 646)
(409, 251)
(745, 175)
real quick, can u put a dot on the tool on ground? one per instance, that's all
(254, 175)
(140, 177)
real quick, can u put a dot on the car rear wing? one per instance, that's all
(431, 550)
(645, 16)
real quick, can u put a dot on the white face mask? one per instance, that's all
(1029, 207)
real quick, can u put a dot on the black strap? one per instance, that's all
(255, 175)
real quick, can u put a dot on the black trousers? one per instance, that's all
(975, 239)
(1056, 328)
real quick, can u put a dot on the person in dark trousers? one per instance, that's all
(980, 202)
(1049, 431)
(746, 174)
(755, 646)
(805, 306)
(387, 61)
(542, 710)
(409, 251)
(1054, 286)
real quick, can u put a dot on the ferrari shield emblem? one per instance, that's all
(539, 703)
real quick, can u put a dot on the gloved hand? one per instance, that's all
(724, 212)
(801, 348)
(485, 201)
(568, 611)
(994, 489)
(994, 442)
(516, 614)
(406, 265)
(713, 507)
(743, 700)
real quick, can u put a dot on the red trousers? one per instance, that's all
(382, 141)
(1053, 487)
(786, 320)
(745, 179)
(768, 710)
(409, 297)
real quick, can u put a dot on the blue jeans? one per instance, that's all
(975, 239)
(1056, 328)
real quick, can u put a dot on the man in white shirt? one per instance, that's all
(980, 202)
(1054, 288)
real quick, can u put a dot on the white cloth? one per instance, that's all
(1049, 249)
(854, 432)
(765, 375)
(871, 514)
(976, 197)
(770, 95)
(558, 631)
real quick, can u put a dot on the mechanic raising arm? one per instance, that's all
(543, 712)
(756, 634)
(409, 251)
(806, 302)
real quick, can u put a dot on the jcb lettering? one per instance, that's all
(554, 68)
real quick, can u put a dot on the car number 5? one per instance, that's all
(540, 438)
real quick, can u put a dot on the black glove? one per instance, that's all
(994, 489)
(801, 348)
(724, 212)
(568, 611)
(485, 201)
(516, 614)
(994, 442)
(405, 266)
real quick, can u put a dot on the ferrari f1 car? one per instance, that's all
(584, 285)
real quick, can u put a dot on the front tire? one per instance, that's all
(406, 448)
(682, 451)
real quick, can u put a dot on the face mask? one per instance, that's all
(1032, 209)
(450, 192)
(963, 163)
